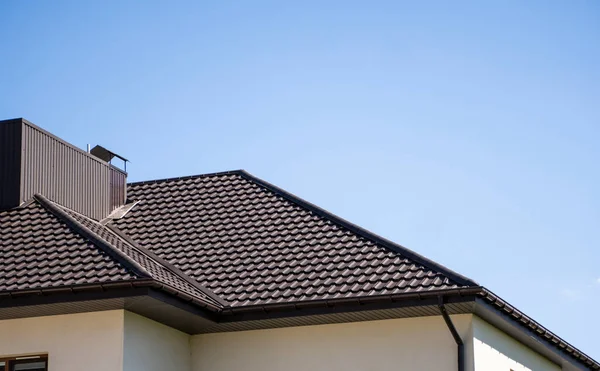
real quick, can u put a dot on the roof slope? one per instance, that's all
(227, 242)
(45, 245)
(254, 244)
(38, 250)
(149, 264)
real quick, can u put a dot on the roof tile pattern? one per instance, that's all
(155, 269)
(249, 242)
(252, 246)
(39, 251)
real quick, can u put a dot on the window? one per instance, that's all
(29, 363)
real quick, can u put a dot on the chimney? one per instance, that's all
(35, 161)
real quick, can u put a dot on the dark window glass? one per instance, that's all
(27, 364)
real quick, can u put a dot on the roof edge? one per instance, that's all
(457, 277)
(206, 175)
(300, 305)
(77, 288)
(524, 320)
(82, 230)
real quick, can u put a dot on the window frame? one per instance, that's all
(10, 362)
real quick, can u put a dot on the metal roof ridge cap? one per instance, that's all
(153, 281)
(459, 278)
(489, 295)
(218, 173)
(173, 269)
(82, 230)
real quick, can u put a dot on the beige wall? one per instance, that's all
(151, 346)
(124, 341)
(74, 342)
(397, 344)
(495, 351)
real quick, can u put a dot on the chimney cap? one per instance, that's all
(104, 154)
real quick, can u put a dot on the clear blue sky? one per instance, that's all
(467, 131)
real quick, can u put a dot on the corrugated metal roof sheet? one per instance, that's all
(33, 160)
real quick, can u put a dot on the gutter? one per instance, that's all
(263, 311)
(455, 335)
(105, 287)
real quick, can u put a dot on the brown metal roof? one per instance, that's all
(234, 244)
(148, 264)
(252, 245)
(263, 250)
(44, 245)
(38, 250)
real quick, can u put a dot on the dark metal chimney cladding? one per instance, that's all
(35, 161)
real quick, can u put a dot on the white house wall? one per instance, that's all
(73, 342)
(151, 346)
(397, 344)
(123, 341)
(496, 351)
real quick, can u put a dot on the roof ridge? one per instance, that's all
(157, 260)
(86, 232)
(173, 269)
(219, 173)
(98, 241)
(426, 262)
(148, 254)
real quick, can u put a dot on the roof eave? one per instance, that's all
(526, 325)
(301, 307)
(491, 305)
